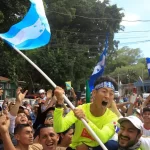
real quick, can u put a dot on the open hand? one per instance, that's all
(19, 95)
(49, 94)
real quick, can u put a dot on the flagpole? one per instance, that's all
(66, 99)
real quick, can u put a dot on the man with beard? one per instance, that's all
(130, 133)
(97, 115)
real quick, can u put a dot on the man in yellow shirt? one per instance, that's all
(97, 115)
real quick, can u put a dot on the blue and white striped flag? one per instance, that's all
(148, 65)
(32, 32)
(99, 68)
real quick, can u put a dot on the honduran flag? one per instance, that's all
(32, 31)
(148, 65)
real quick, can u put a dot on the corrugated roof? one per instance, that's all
(140, 83)
(4, 79)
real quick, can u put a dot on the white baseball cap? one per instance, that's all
(138, 111)
(41, 91)
(134, 120)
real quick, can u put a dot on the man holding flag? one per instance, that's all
(33, 32)
(96, 114)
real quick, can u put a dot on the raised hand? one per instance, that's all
(49, 94)
(19, 95)
(147, 101)
(59, 95)
(4, 124)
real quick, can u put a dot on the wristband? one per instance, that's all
(59, 105)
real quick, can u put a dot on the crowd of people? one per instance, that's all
(50, 124)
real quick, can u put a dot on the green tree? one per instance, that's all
(123, 57)
(127, 65)
(76, 41)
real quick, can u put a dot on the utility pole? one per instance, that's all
(118, 79)
(142, 84)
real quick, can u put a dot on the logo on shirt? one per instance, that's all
(86, 134)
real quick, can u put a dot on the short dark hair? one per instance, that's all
(22, 111)
(106, 78)
(20, 127)
(41, 126)
(71, 127)
(146, 109)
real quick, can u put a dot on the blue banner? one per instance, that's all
(99, 68)
(148, 65)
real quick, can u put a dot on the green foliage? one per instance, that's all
(127, 65)
(122, 57)
(74, 48)
(12, 11)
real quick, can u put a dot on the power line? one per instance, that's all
(135, 42)
(134, 31)
(101, 35)
(132, 37)
(113, 19)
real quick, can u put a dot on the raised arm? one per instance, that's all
(4, 133)
(61, 123)
(19, 98)
(48, 97)
(113, 108)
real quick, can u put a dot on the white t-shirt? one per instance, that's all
(12, 123)
(145, 143)
(146, 132)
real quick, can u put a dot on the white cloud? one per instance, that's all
(130, 17)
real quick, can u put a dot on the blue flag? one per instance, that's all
(32, 32)
(99, 68)
(148, 65)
